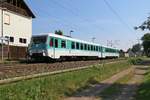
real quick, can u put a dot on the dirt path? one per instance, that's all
(93, 92)
(127, 91)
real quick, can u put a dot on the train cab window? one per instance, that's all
(52, 42)
(77, 45)
(56, 43)
(73, 45)
(85, 46)
(89, 47)
(94, 48)
(81, 46)
(63, 44)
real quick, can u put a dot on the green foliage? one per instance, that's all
(146, 43)
(145, 25)
(135, 61)
(136, 48)
(55, 87)
(144, 90)
(59, 32)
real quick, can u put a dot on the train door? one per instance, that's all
(101, 49)
(52, 46)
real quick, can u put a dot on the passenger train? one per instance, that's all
(55, 46)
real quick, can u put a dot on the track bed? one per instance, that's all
(15, 70)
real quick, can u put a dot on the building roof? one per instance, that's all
(23, 4)
(30, 11)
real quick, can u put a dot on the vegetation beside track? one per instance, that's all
(143, 92)
(55, 87)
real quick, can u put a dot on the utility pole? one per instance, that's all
(109, 43)
(93, 39)
(71, 32)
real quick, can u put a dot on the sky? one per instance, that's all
(92, 18)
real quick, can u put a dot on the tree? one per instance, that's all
(136, 48)
(59, 32)
(145, 25)
(146, 43)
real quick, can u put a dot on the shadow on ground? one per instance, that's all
(104, 92)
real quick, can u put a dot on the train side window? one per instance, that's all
(89, 47)
(73, 45)
(77, 45)
(51, 42)
(63, 44)
(81, 46)
(85, 46)
(96, 48)
(56, 43)
(99, 48)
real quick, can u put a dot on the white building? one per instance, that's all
(16, 23)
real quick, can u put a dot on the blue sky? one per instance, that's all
(91, 18)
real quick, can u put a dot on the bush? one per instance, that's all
(135, 61)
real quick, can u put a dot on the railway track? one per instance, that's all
(17, 70)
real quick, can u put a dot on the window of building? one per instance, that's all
(7, 19)
(56, 43)
(22, 40)
(11, 39)
(63, 44)
(73, 45)
(77, 45)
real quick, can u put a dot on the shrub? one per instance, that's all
(135, 61)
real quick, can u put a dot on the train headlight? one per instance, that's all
(30, 52)
(44, 53)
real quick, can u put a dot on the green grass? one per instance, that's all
(115, 89)
(143, 92)
(55, 87)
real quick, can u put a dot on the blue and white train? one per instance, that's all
(55, 46)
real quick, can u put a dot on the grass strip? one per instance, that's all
(55, 87)
(143, 92)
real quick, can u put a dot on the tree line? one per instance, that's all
(145, 39)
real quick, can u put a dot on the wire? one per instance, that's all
(117, 15)
(74, 13)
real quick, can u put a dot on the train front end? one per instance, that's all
(38, 47)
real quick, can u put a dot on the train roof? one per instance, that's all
(72, 39)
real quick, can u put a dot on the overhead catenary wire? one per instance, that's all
(117, 15)
(74, 13)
